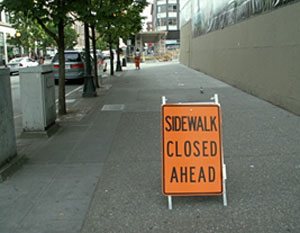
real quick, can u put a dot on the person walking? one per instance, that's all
(137, 59)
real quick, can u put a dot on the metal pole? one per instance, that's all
(170, 202)
(216, 99)
(164, 101)
(224, 185)
(89, 89)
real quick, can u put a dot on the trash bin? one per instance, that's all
(124, 61)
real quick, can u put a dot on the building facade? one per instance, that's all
(6, 31)
(166, 17)
(251, 44)
(79, 28)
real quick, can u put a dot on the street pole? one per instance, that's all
(89, 89)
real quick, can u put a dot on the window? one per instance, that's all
(69, 57)
(7, 18)
(161, 9)
(161, 22)
(172, 21)
(172, 8)
(1, 39)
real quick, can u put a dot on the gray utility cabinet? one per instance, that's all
(8, 147)
(38, 98)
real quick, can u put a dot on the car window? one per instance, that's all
(72, 57)
(69, 57)
(16, 60)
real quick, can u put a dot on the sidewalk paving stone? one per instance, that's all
(101, 172)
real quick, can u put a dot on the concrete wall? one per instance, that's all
(8, 147)
(260, 55)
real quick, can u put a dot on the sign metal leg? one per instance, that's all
(216, 99)
(170, 202)
(164, 100)
(224, 185)
(224, 195)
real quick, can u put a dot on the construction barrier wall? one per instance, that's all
(260, 55)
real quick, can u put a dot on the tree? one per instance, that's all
(119, 19)
(43, 12)
(31, 32)
(24, 39)
(83, 12)
(100, 43)
(129, 23)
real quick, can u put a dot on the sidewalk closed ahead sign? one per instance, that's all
(191, 150)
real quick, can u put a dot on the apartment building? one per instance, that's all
(6, 31)
(166, 18)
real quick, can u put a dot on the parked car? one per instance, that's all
(48, 59)
(106, 54)
(74, 65)
(102, 64)
(20, 62)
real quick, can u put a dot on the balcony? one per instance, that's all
(161, 2)
(161, 15)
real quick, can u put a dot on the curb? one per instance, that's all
(11, 167)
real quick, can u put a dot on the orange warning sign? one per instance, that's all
(191, 150)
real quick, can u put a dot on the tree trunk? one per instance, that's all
(111, 59)
(87, 50)
(119, 68)
(95, 56)
(62, 71)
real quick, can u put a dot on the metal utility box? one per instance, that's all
(8, 147)
(38, 98)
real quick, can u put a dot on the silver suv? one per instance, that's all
(74, 65)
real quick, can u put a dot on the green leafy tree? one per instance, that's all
(31, 32)
(45, 12)
(119, 19)
(84, 12)
(101, 44)
(130, 23)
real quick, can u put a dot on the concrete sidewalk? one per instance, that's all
(101, 172)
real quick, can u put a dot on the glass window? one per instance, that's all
(162, 22)
(172, 21)
(69, 57)
(7, 38)
(1, 39)
(161, 9)
(172, 8)
(16, 60)
(7, 18)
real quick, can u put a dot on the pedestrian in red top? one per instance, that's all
(137, 59)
